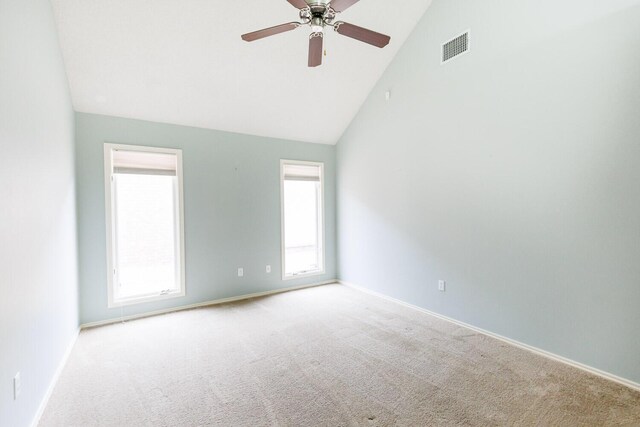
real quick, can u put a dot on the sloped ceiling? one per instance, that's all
(183, 62)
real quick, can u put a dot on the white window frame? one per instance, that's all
(109, 210)
(321, 271)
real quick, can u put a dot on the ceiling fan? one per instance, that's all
(319, 14)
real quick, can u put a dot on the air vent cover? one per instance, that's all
(455, 47)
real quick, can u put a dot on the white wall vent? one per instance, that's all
(455, 47)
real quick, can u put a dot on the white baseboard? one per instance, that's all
(544, 353)
(54, 380)
(201, 304)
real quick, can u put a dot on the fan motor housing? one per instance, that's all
(318, 7)
(319, 13)
(317, 2)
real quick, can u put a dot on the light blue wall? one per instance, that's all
(232, 209)
(38, 263)
(511, 172)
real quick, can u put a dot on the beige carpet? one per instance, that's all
(327, 356)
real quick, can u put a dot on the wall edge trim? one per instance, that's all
(54, 380)
(530, 348)
(202, 304)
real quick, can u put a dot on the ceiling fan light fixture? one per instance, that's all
(318, 14)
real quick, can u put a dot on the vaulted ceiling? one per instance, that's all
(183, 62)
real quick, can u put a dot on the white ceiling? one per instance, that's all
(183, 62)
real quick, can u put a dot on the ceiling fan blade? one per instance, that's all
(271, 31)
(362, 34)
(300, 4)
(342, 5)
(315, 49)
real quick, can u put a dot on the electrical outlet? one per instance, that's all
(17, 386)
(268, 269)
(240, 272)
(442, 286)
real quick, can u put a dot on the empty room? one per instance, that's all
(319, 213)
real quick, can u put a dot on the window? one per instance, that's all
(145, 245)
(302, 218)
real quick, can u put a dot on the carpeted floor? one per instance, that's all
(328, 356)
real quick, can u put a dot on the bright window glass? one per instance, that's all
(303, 234)
(145, 236)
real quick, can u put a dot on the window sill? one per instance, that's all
(144, 299)
(302, 275)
